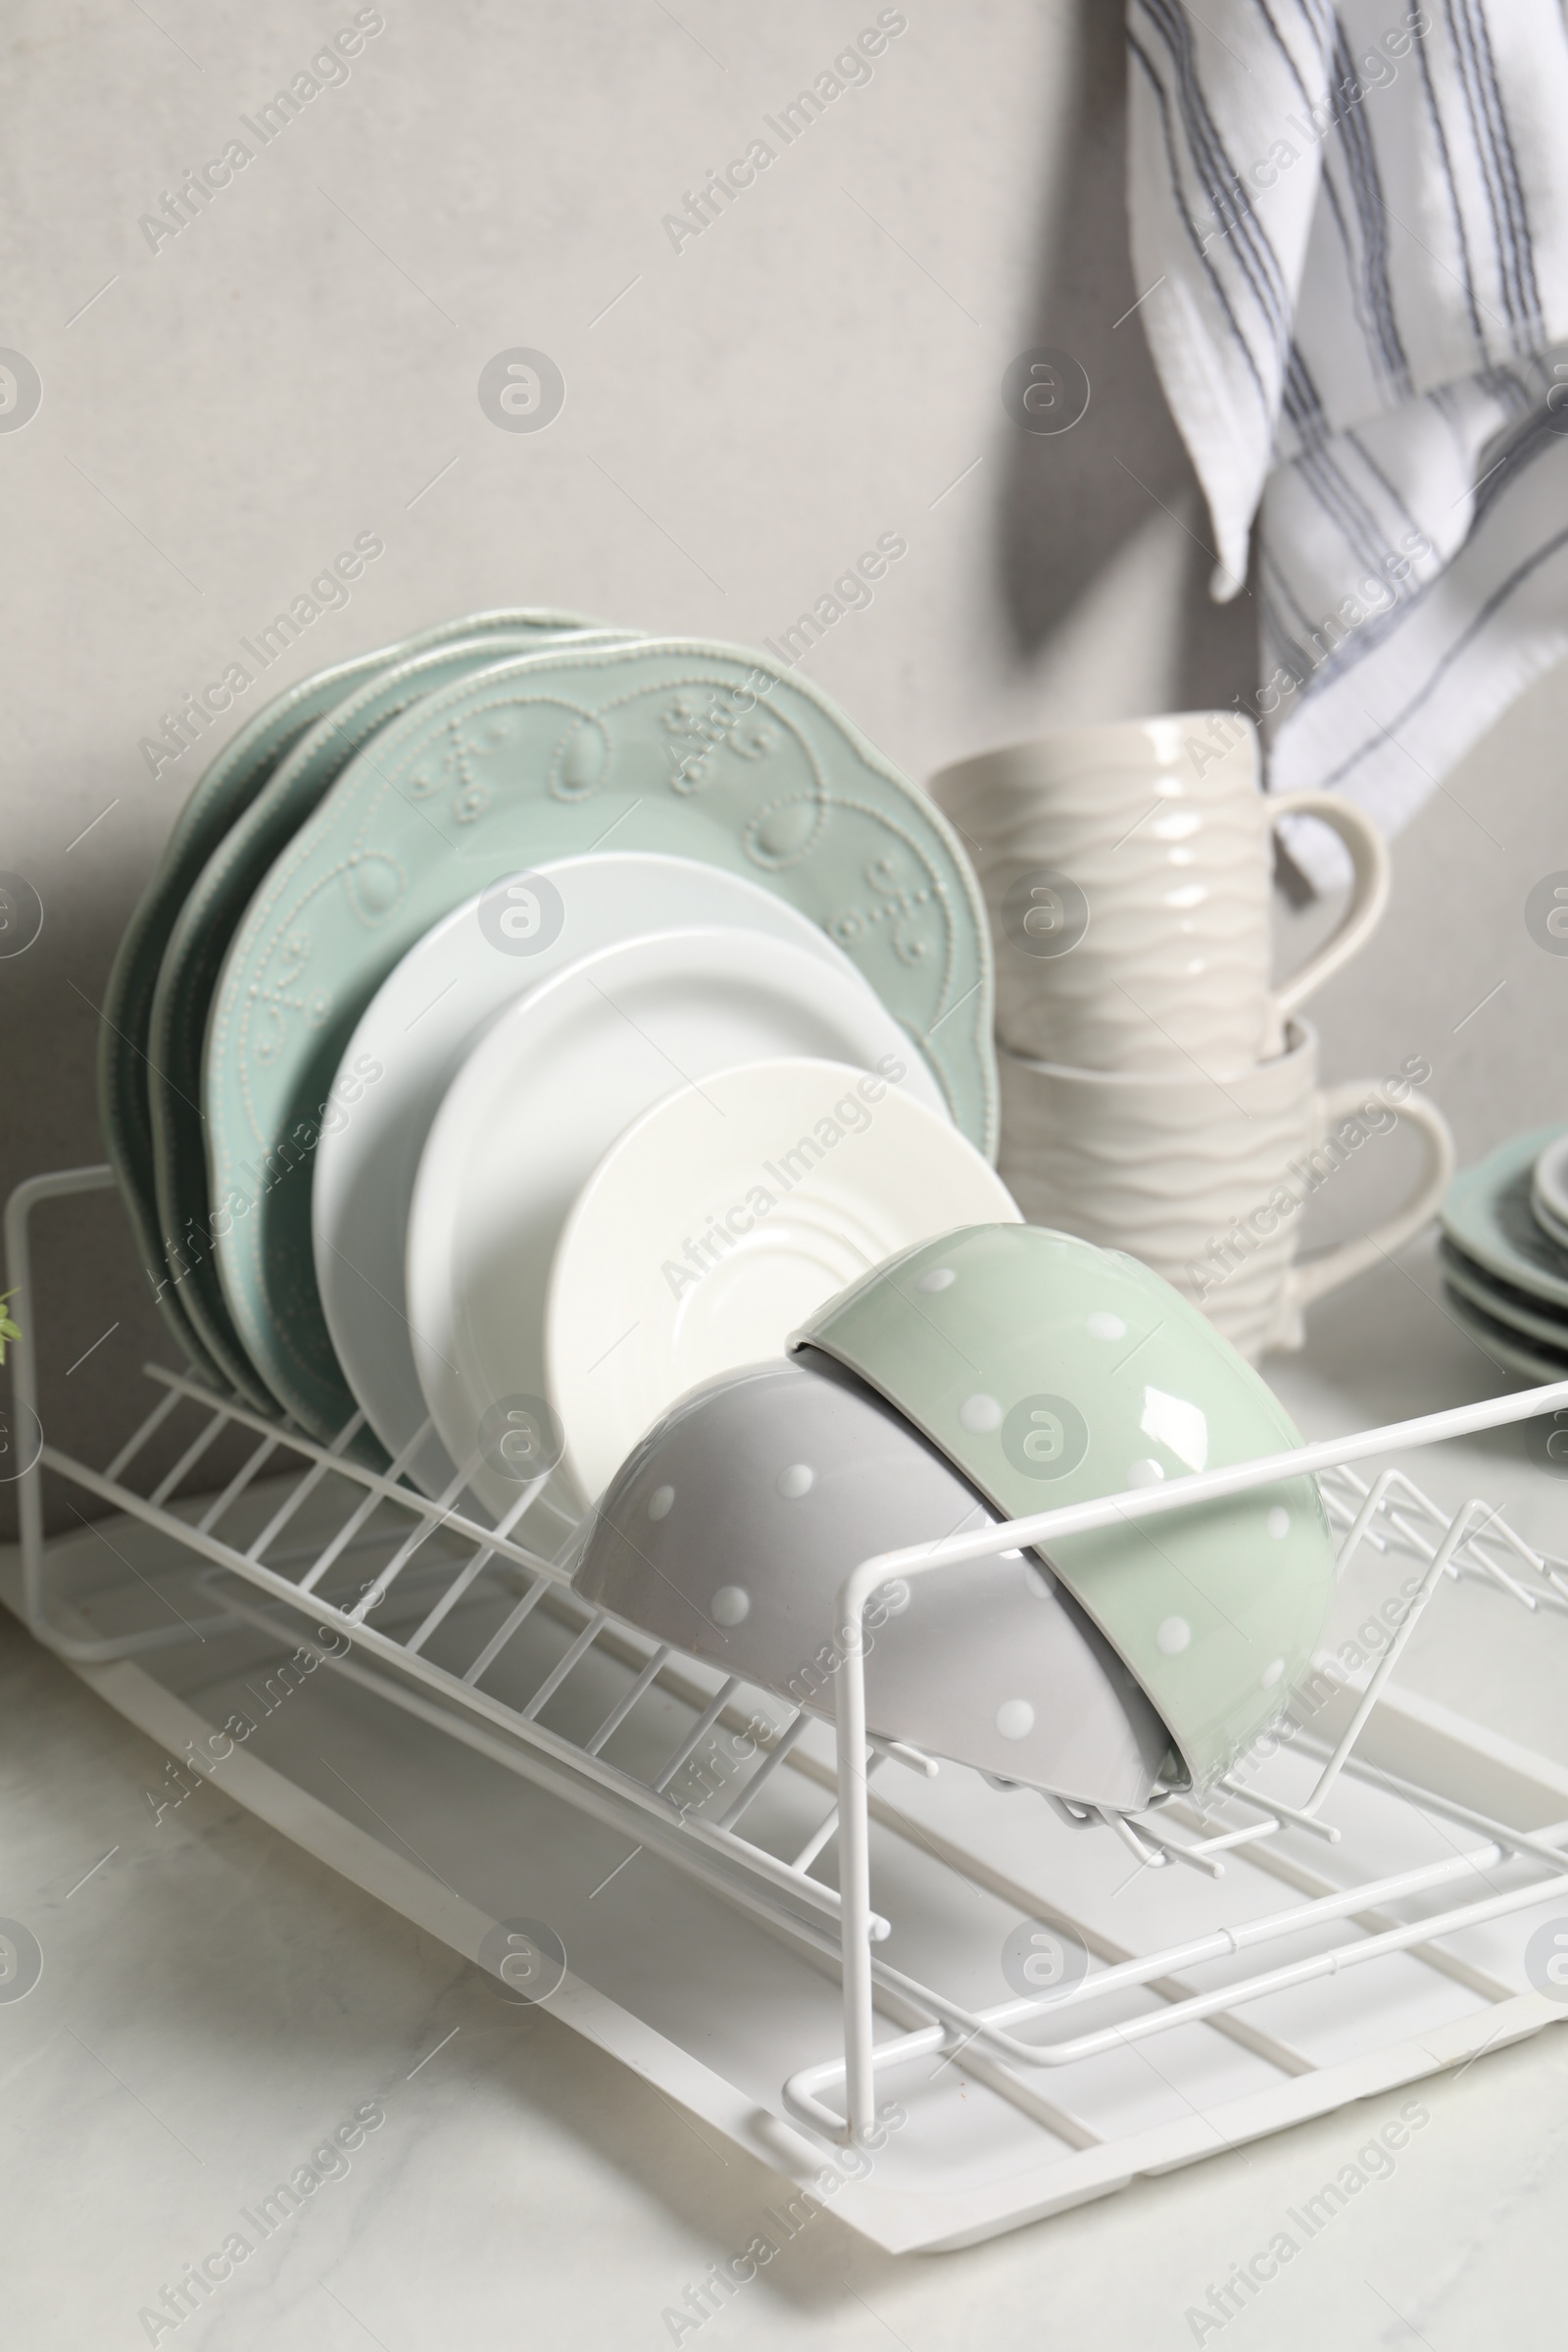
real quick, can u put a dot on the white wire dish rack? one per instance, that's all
(807, 1947)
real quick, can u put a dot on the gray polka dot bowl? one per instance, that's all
(1049, 1371)
(732, 1524)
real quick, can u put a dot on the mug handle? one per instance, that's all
(1369, 890)
(1322, 1274)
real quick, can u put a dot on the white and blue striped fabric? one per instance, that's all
(1350, 220)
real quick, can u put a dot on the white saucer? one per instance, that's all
(542, 1095)
(414, 1034)
(723, 1219)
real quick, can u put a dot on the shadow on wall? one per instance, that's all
(1067, 501)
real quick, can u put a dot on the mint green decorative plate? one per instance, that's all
(224, 790)
(220, 795)
(1049, 1371)
(1510, 1348)
(208, 918)
(675, 745)
(1488, 1216)
(1541, 1325)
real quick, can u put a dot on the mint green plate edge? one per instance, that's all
(1488, 1292)
(1511, 1349)
(219, 794)
(213, 911)
(1470, 1218)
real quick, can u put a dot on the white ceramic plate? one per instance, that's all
(414, 1034)
(541, 1096)
(721, 1219)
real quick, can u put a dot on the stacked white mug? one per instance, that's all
(1159, 1092)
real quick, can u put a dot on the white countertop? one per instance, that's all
(215, 2003)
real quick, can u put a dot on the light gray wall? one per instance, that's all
(822, 365)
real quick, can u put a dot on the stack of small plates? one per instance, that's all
(1504, 1252)
(528, 1022)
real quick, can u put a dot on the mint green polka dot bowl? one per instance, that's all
(1051, 1371)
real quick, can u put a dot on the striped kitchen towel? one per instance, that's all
(1350, 220)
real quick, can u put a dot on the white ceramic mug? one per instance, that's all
(1205, 1179)
(1127, 870)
